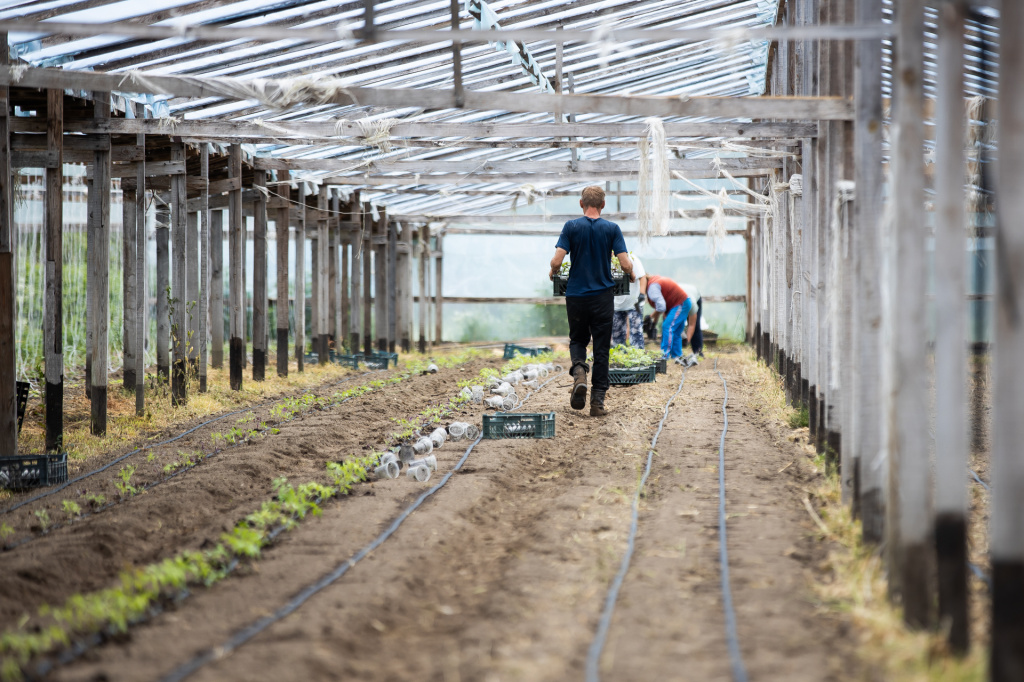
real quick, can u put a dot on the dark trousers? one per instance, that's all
(697, 340)
(591, 316)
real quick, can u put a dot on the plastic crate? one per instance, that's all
(33, 471)
(22, 387)
(634, 375)
(525, 425)
(621, 285)
(345, 360)
(374, 361)
(512, 350)
(661, 366)
(393, 357)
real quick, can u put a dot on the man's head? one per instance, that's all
(593, 197)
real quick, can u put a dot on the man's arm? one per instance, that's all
(556, 261)
(691, 325)
(626, 264)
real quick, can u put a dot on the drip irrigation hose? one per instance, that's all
(247, 633)
(597, 646)
(739, 672)
(125, 456)
(978, 479)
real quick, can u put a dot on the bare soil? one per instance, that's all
(503, 573)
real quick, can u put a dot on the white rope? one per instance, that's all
(653, 197)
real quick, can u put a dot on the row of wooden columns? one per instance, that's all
(362, 271)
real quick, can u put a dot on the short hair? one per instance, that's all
(593, 197)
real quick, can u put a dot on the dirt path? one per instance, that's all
(197, 506)
(502, 574)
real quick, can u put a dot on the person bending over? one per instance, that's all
(589, 298)
(669, 299)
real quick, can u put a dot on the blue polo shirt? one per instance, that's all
(591, 243)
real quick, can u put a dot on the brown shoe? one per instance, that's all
(578, 392)
(597, 404)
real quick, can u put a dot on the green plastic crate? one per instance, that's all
(621, 285)
(512, 350)
(519, 425)
(619, 376)
(393, 357)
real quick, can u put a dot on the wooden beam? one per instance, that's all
(556, 300)
(392, 292)
(179, 283)
(281, 228)
(268, 131)
(100, 286)
(344, 244)
(357, 274)
(481, 167)
(368, 265)
(53, 320)
(323, 278)
(163, 280)
(380, 286)
(517, 179)
(217, 289)
(259, 279)
(204, 268)
(555, 233)
(129, 286)
(236, 283)
(280, 94)
(334, 323)
(300, 280)
(438, 286)
(531, 219)
(8, 288)
(423, 251)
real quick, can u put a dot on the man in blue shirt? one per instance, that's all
(589, 297)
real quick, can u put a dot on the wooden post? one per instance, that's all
(282, 277)
(323, 280)
(142, 291)
(869, 245)
(236, 284)
(129, 248)
(53, 320)
(334, 321)
(423, 251)
(179, 287)
(392, 286)
(380, 275)
(357, 275)
(259, 277)
(314, 294)
(192, 293)
(1006, 535)
(100, 225)
(163, 280)
(300, 281)
(367, 279)
(951, 341)
(910, 473)
(8, 388)
(217, 289)
(438, 281)
(243, 245)
(203, 311)
(403, 285)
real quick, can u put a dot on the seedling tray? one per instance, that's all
(520, 425)
(33, 471)
(634, 375)
(512, 350)
(621, 285)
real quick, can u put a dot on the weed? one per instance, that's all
(801, 419)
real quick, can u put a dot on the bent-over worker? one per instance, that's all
(680, 313)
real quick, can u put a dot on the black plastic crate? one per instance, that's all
(524, 425)
(33, 471)
(512, 350)
(634, 375)
(621, 285)
(661, 366)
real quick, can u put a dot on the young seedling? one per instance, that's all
(71, 508)
(124, 486)
(5, 532)
(44, 519)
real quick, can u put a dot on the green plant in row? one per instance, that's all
(136, 591)
(629, 357)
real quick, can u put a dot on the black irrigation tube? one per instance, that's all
(36, 498)
(597, 645)
(739, 672)
(247, 633)
(80, 647)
